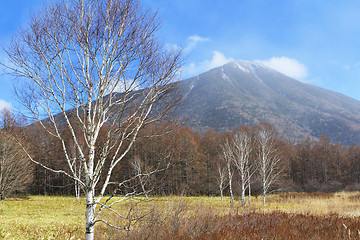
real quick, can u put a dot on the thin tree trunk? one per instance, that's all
(243, 182)
(230, 182)
(243, 203)
(249, 185)
(77, 190)
(249, 193)
(221, 182)
(231, 193)
(264, 196)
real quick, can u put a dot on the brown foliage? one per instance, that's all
(205, 223)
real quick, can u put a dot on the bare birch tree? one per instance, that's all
(250, 173)
(268, 160)
(228, 157)
(241, 148)
(78, 168)
(221, 180)
(102, 59)
(138, 171)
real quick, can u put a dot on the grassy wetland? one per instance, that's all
(286, 216)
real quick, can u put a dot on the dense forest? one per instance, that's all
(187, 162)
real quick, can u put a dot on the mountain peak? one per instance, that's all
(245, 92)
(247, 66)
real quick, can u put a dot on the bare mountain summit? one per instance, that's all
(243, 92)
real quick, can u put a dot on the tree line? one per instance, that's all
(247, 160)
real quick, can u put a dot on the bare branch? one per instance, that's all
(89, 65)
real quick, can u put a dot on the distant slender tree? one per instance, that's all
(241, 148)
(138, 171)
(222, 180)
(268, 160)
(228, 157)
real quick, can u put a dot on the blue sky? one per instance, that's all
(315, 41)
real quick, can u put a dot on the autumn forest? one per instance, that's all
(185, 162)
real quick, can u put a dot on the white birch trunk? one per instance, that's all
(221, 194)
(222, 180)
(89, 215)
(243, 203)
(249, 187)
(264, 194)
(230, 185)
(249, 193)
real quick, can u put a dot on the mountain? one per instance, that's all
(243, 92)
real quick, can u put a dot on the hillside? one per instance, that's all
(243, 92)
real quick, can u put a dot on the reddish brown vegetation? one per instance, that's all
(279, 225)
(276, 225)
(206, 223)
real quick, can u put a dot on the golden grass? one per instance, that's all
(57, 217)
(41, 217)
(346, 204)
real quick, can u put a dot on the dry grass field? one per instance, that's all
(286, 216)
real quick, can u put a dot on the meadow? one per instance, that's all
(286, 216)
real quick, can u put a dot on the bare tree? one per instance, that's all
(138, 170)
(15, 167)
(241, 148)
(268, 160)
(250, 172)
(102, 59)
(221, 180)
(228, 156)
(78, 169)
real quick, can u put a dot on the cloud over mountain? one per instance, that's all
(193, 41)
(288, 66)
(217, 60)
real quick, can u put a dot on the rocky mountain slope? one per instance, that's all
(243, 92)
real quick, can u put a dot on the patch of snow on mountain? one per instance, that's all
(241, 67)
(253, 67)
(192, 86)
(224, 76)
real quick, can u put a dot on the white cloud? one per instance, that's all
(193, 41)
(196, 38)
(4, 104)
(288, 66)
(218, 59)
